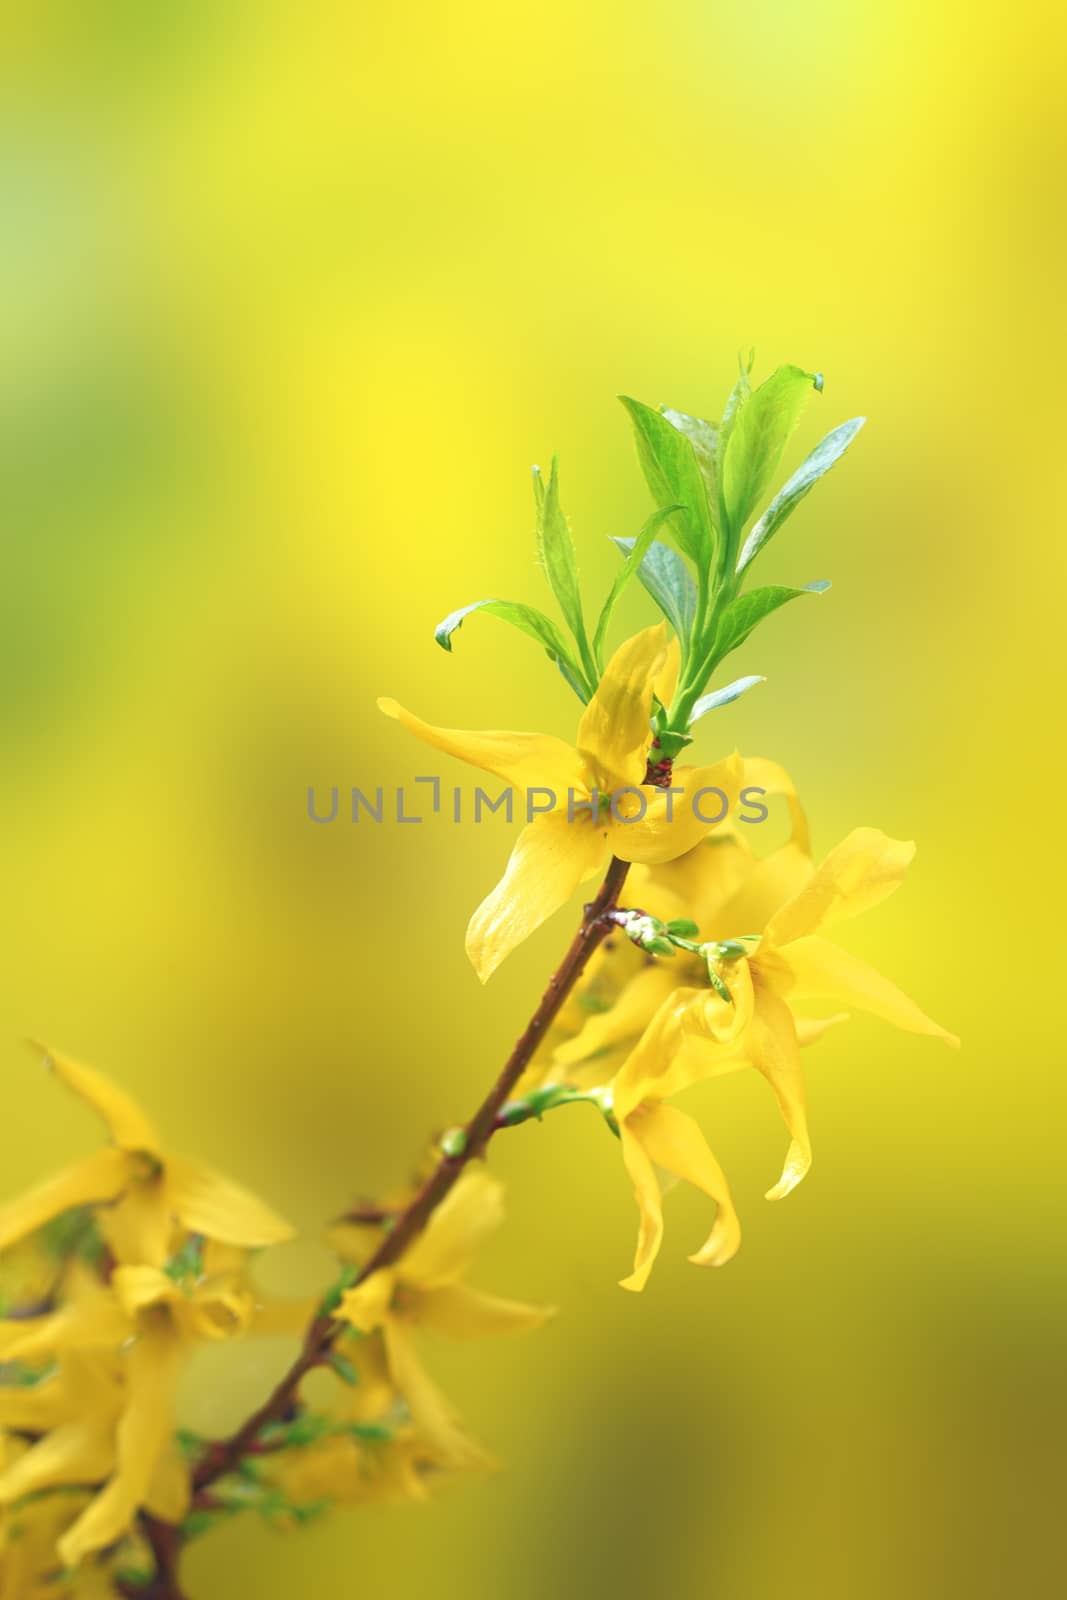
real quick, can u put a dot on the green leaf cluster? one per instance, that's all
(708, 480)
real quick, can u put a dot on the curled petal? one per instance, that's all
(523, 760)
(674, 1141)
(614, 733)
(552, 856)
(859, 872)
(776, 1053)
(658, 1135)
(649, 1205)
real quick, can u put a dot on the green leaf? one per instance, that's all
(807, 475)
(704, 438)
(344, 1368)
(555, 547)
(666, 578)
(741, 615)
(722, 697)
(528, 620)
(738, 396)
(754, 449)
(673, 475)
(638, 550)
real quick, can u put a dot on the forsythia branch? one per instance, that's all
(225, 1455)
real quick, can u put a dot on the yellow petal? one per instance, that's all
(37, 1408)
(667, 676)
(136, 1288)
(775, 780)
(126, 1122)
(204, 1202)
(431, 1413)
(522, 760)
(462, 1313)
(671, 824)
(811, 1029)
(75, 1452)
(218, 1308)
(144, 1433)
(138, 1230)
(649, 1204)
(697, 884)
(816, 967)
(99, 1178)
(674, 1141)
(637, 1004)
(776, 1053)
(95, 1321)
(366, 1305)
(859, 872)
(615, 730)
(768, 886)
(168, 1494)
(694, 1035)
(473, 1209)
(552, 856)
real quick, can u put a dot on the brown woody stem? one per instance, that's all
(225, 1455)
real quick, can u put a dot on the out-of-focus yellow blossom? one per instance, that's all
(424, 1290)
(110, 1350)
(352, 1470)
(601, 805)
(696, 1034)
(29, 1532)
(372, 1453)
(115, 1418)
(149, 1190)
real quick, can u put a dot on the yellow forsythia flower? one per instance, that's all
(149, 1189)
(695, 1034)
(109, 1354)
(714, 884)
(425, 1290)
(563, 847)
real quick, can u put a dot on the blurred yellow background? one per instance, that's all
(291, 297)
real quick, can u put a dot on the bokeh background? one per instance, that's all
(291, 297)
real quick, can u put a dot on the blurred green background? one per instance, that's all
(291, 297)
